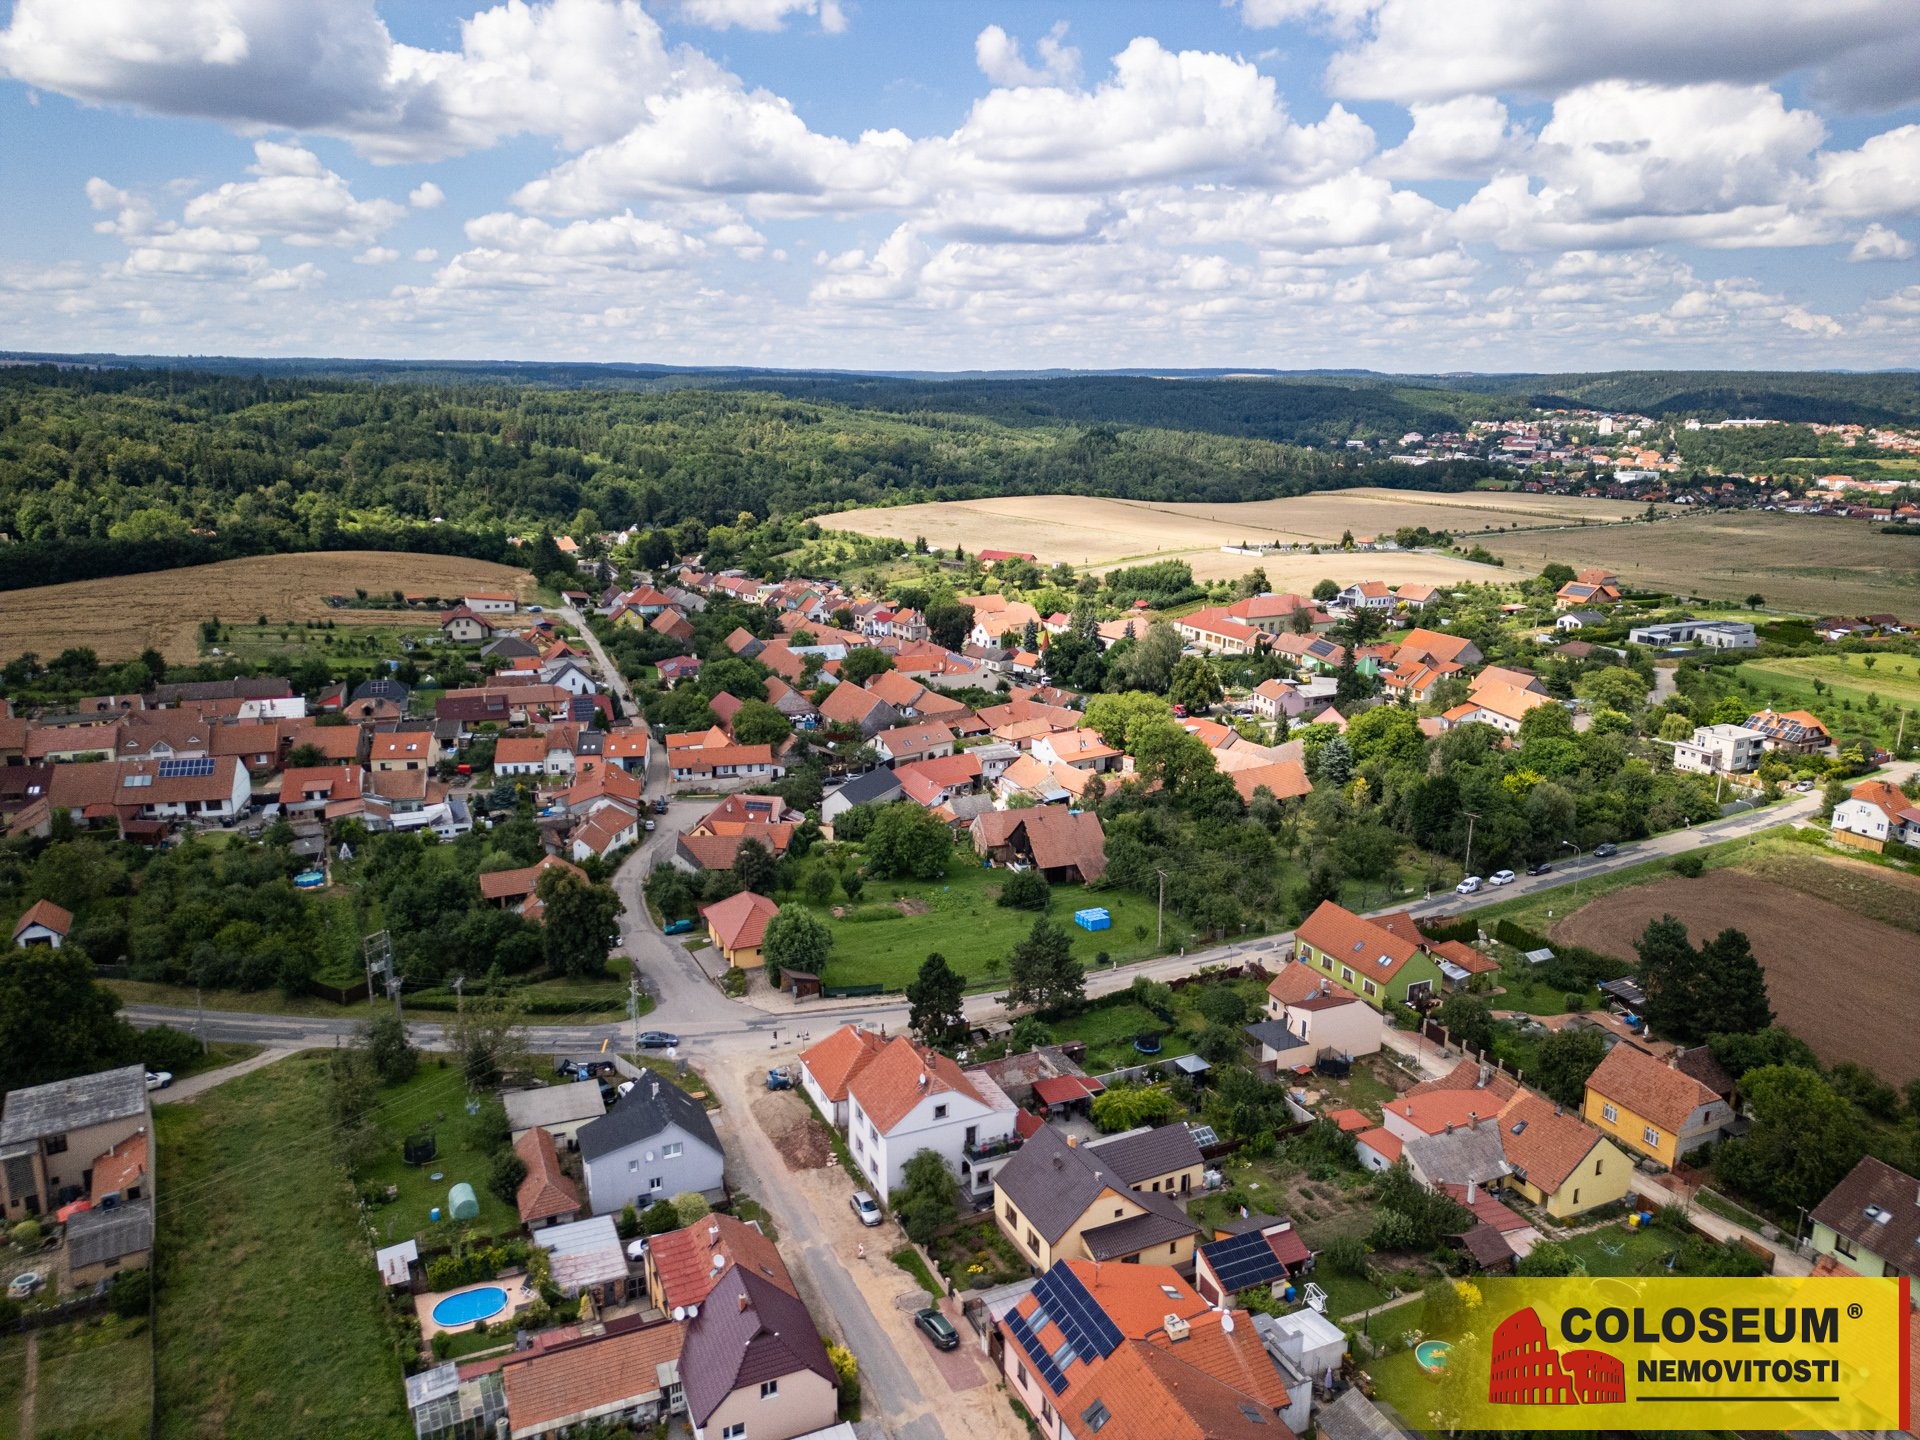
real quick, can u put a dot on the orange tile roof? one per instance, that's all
(120, 1167)
(1287, 779)
(1368, 948)
(1458, 952)
(546, 1193)
(1466, 1076)
(683, 1259)
(1650, 1088)
(1385, 1142)
(1550, 1144)
(509, 884)
(402, 745)
(834, 1061)
(597, 1374)
(1443, 1109)
(740, 921)
(889, 1087)
(1294, 982)
(44, 912)
(1350, 1120)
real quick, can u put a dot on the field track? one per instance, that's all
(119, 617)
(1841, 982)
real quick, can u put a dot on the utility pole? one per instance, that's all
(1471, 817)
(459, 994)
(1160, 913)
(393, 989)
(633, 1007)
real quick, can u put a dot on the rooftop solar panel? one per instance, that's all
(1042, 1361)
(183, 769)
(1243, 1261)
(1078, 1315)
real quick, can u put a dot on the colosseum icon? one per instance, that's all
(1528, 1371)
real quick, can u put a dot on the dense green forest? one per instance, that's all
(116, 471)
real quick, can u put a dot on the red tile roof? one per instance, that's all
(1650, 1088)
(834, 1061)
(1384, 1142)
(595, 1375)
(889, 1087)
(1368, 948)
(120, 1167)
(683, 1260)
(44, 912)
(1350, 1120)
(1548, 1143)
(740, 921)
(546, 1193)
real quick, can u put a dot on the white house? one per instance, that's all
(1879, 812)
(827, 1068)
(486, 602)
(1365, 595)
(1323, 1015)
(656, 1142)
(569, 676)
(43, 923)
(1720, 749)
(906, 1100)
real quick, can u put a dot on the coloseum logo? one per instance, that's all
(1526, 1370)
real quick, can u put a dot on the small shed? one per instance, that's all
(1093, 919)
(462, 1203)
(396, 1262)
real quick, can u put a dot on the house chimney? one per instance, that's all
(746, 1302)
(1177, 1328)
(1673, 1059)
(713, 1234)
(1486, 1074)
(1449, 1128)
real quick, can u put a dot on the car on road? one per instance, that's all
(1540, 867)
(1468, 886)
(658, 1040)
(536, 610)
(676, 927)
(650, 827)
(937, 1328)
(24, 1284)
(864, 1207)
(159, 1079)
(1500, 877)
(660, 805)
(1605, 851)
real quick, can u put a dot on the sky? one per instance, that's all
(1399, 185)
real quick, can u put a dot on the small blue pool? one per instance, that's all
(1432, 1354)
(469, 1306)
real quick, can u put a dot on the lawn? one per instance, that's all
(269, 1315)
(1893, 676)
(1640, 1252)
(95, 1381)
(13, 1352)
(217, 1055)
(958, 917)
(437, 1099)
(1108, 1031)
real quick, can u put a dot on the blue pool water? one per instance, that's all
(470, 1305)
(1432, 1354)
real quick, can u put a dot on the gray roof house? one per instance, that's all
(656, 1142)
(754, 1352)
(876, 787)
(102, 1241)
(50, 1135)
(1140, 1156)
(1052, 1194)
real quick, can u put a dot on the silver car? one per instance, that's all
(864, 1207)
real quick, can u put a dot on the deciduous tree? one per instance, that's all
(935, 1008)
(797, 939)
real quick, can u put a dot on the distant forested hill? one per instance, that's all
(114, 471)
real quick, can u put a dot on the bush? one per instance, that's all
(1687, 865)
(628, 1222)
(131, 1293)
(1025, 890)
(164, 1048)
(27, 1234)
(505, 1175)
(734, 984)
(1346, 1256)
(847, 1369)
(442, 1343)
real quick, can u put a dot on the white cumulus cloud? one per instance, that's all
(1877, 242)
(426, 196)
(998, 56)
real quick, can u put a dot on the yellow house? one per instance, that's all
(738, 925)
(1652, 1106)
(1558, 1163)
(1057, 1201)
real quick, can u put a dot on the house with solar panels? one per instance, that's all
(1261, 1252)
(1092, 1342)
(204, 787)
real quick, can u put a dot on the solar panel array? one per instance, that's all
(1204, 1135)
(1042, 1361)
(186, 769)
(1244, 1260)
(1077, 1313)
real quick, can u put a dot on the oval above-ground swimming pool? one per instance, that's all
(1432, 1354)
(470, 1305)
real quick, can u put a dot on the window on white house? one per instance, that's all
(735, 1432)
(769, 1389)
(673, 1151)
(939, 1112)
(656, 1185)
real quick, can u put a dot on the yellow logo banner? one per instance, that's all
(1642, 1354)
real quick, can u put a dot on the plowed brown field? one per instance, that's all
(1838, 980)
(120, 617)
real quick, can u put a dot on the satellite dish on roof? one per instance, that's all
(679, 1312)
(719, 1261)
(692, 1310)
(1226, 1321)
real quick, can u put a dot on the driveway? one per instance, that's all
(865, 1303)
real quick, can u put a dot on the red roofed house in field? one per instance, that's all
(737, 925)
(1218, 632)
(43, 923)
(514, 889)
(908, 1099)
(1066, 847)
(827, 1068)
(465, 626)
(1873, 813)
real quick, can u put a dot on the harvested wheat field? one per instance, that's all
(1809, 563)
(1841, 982)
(120, 617)
(1099, 533)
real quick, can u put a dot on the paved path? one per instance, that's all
(1785, 1260)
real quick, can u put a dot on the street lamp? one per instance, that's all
(1569, 845)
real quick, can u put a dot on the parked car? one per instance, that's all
(864, 1207)
(536, 610)
(937, 1328)
(1500, 877)
(1540, 867)
(159, 1079)
(1468, 886)
(24, 1284)
(649, 827)
(1603, 851)
(658, 1040)
(677, 927)
(660, 805)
